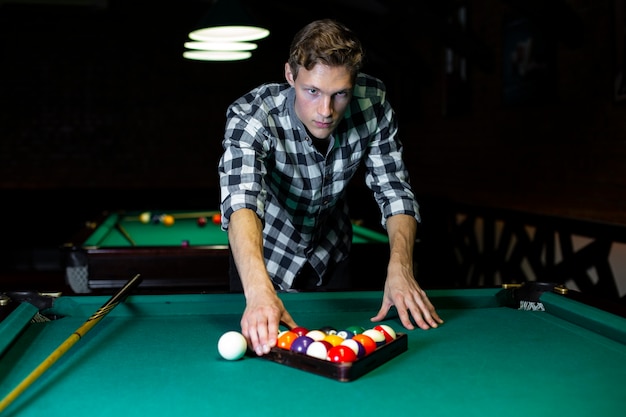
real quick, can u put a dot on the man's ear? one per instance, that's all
(289, 74)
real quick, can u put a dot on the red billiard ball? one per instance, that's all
(301, 331)
(217, 218)
(202, 221)
(341, 353)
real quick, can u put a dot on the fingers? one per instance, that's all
(261, 329)
(414, 308)
(402, 315)
(261, 333)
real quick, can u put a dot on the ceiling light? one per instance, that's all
(221, 46)
(227, 28)
(229, 33)
(217, 55)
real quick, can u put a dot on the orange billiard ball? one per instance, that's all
(285, 339)
(217, 218)
(368, 343)
(167, 219)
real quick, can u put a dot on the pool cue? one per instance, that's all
(70, 341)
(125, 233)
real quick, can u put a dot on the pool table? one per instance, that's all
(156, 355)
(107, 250)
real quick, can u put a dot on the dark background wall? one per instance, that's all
(98, 109)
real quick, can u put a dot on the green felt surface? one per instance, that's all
(156, 355)
(107, 234)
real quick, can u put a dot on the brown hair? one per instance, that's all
(326, 42)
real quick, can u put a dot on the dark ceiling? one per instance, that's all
(390, 29)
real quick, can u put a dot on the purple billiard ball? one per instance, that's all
(300, 344)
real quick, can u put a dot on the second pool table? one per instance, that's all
(107, 250)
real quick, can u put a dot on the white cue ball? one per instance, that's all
(232, 346)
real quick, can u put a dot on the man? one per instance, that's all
(290, 151)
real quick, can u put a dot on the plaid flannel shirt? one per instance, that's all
(272, 167)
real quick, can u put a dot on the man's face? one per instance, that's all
(322, 97)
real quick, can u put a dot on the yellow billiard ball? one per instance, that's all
(145, 217)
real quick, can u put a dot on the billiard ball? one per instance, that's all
(367, 342)
(184, 243)
(202, 221)
(286, 339)
(328, 330)
(316, 335)
(345, 333)
(318, 349)
(167, 219)
(333, 339)
(341, 353)
(232, 345)
(387, 331)
(145, 217)
(355, 329)
(301, 331)
(301, 344)
(358, 348)
(377, 336)
(155, 218)
(217, 218)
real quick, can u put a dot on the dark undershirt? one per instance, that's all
(320, 144)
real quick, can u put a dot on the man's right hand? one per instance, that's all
(261, 319)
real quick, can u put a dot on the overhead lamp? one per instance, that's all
(226, 28)
(229, 33)
(221, 46)
(217, 55)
